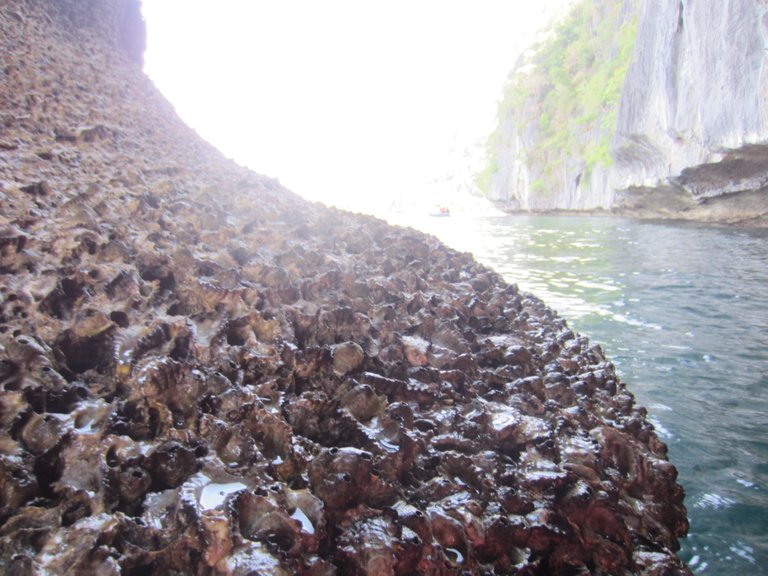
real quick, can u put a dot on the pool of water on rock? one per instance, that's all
(682, 310)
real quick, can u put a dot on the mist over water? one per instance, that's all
(682, 310)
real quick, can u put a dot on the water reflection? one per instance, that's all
(682, 310)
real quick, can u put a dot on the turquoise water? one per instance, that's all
(682, 310)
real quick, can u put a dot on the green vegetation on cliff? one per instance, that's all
(561, 98)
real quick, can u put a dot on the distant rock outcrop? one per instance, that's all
(551, 148)
(690, 132)
(201, 373)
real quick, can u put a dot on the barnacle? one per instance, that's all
(201, 373)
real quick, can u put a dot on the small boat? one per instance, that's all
(440, 211)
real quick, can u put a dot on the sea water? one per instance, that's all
(682, 310)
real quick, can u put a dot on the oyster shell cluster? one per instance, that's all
(202, 373)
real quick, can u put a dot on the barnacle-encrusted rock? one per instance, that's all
(201, 373)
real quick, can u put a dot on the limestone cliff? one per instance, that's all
(201, 373)
(689, 131)
(558, 115)
(692, 130)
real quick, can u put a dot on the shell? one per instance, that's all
(202, 373)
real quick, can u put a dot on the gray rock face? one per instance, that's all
(550, 129)
(693, 113)
(691, 136)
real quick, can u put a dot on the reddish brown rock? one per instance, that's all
(202, 373)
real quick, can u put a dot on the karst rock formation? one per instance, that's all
(686, 140)
(202, 373)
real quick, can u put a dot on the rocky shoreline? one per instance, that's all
(204, 374)
(725, 211)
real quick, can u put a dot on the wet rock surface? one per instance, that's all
(202, 373)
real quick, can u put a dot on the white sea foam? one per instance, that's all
(744, 551)
(661, 430)
(714, 501)
(746, 483)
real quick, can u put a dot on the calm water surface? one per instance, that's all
(682, 310)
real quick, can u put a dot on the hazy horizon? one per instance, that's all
(356, 105)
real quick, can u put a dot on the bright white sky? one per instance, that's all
(344, 101)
